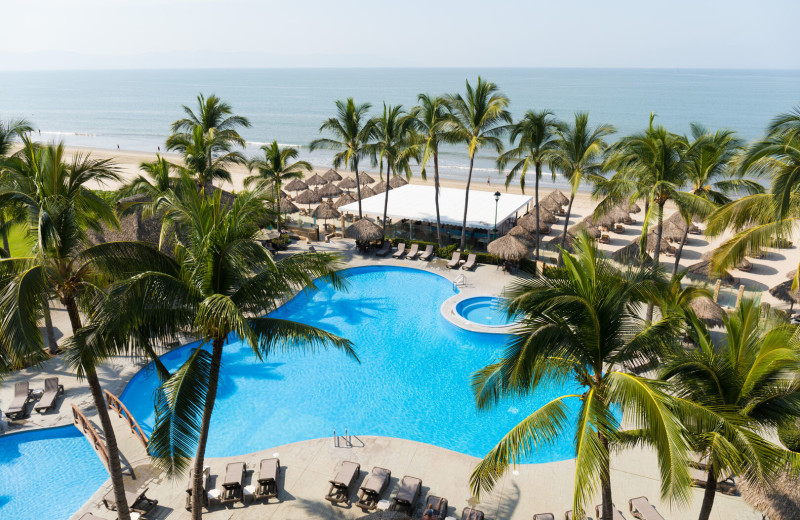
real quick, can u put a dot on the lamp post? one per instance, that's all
(496, 203)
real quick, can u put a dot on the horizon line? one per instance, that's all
(404, 67)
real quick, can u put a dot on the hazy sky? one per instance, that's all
(47, 34)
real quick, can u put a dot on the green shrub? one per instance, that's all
(282, 242)
(110, 196)
(789, 433)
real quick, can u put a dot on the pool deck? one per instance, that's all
(307, 466)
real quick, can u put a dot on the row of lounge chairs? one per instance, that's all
(233, 488)
(18, 408)
(411, 254)
(467, 266)
(640, 508)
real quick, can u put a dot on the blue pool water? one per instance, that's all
(48, 473)
(413, 381)
(486, 310)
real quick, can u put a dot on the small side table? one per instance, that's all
(37, 393)
(383, 505)
(248, 491)
(214, 494)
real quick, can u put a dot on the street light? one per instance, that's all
(496, 203)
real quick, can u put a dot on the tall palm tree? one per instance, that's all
(395, 143)
(220, 282)
(479, 119)
(157, 180)
(536, 133)
(744, 387)
(433, 122)
(761, 219)
(208, 139)
(275, 169)
(581, 324)
(352, 131)
(10, 131)
(60, 208)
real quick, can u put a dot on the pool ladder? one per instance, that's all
(348, 443)
(459, 280)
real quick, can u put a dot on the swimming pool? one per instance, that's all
(47, 473)
(485, 310)
(413, 381)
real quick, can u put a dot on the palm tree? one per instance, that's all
(207, 139)
(274, 169)
(577, 156)
(761, 219)
(60, 208)
(157, 180)
(581, 325)
(536, 133)
(434, 122)
(220, 282)
(9, 132)
(395, 143)
(742, 388)
(351, 131)
(479, 118)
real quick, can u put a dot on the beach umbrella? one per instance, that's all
(606, 221)
(558, 197)
(702, 271)
(778, 498)
(332, 176)
(367, 192)
(708, 311)
(783, 291)
(528, 222)
(267, 234)
(344, 199)
(326, 211)
(634, 208)
(329, 190)
(791, 273)
(364, 178)
(287, 207)
(631, 254)
(396, 181)
(349, 183)
(550, 205)
(744, 265)
(620, 216)
(522, 234)
(296, 185)
(545, 215)
(586, 225)
(364, 230)
(651, 242)
(308, 197)
(380, 187)
(508, 247)
(316, 180)
(555, 243)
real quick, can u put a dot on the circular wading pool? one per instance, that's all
(485, 310)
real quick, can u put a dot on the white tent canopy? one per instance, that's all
(416, 202)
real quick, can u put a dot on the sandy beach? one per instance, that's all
(766, 273)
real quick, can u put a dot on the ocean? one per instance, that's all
(133, 109)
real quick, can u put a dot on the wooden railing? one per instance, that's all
(88, 430)
(115, 404)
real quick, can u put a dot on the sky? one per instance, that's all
(103, 34)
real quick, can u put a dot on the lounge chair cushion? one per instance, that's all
(642, 508)
(268, 469)
(234, 474)
(409, 488)
(347, 473)
(377, 480)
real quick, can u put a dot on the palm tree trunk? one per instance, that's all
(605, 484)
(278, 204)
(680, 249)
(566, 225)
(466, 202)
(208, 407)
(114, 467)
(710, 493)
(436, 197)
(52, 345)
(536, 198)
(656, 253)
(386, 196)
(4, 233)
(358, 187)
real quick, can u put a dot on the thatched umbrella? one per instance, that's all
(349, 183)
(559, 198)
(329, 190)
(308, 197)
(791, 273)
(702, 271)
(620, 215)
(606, 221)
(316, 180)
(523, 235)
(708, 311)
(631, 254)
(296, 185)
(744, 265)
(651, 243)
(267, 234)
(368, 191)
(380, 187)
(396, 181)
(672, 230)
(287, 207)
(778, 499)
(508, 247)
(529, 223)
(332, 176)
(326, 211)
(545, 215)
(344, 199)
(586, 225)
(783, 291)
(364, 230)
(634, 208)
(555, 243)
(364, 178)
(550, 205)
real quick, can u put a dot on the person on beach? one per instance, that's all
(488, 180)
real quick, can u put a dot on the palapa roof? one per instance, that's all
(745, 263)
(558, 197)
(348, 183)
(631, 254)
(308, 197)
(779, 500)
(296, 185)
(702, 271)
(634, 208)
(364, 230)
(287, 206)
(344, 199)
(783, 291)
(606, 221)
(708, 311)
(529, 223)
(368, 191)
(619, 215)
(326, 211)
(396, 181)
(364, 178)
(332, 176)
(651, 242)
(791, 273)
(508, 247)
(586, 225)
(555, 242)
(379, 187)
(550, 205)
(545, 215)
(520, 232)
(329, 190)
(316, 180)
